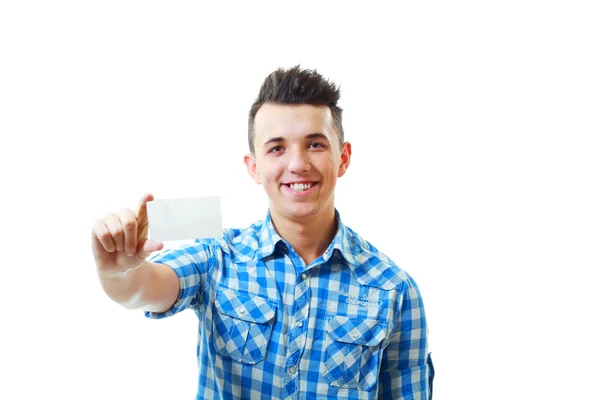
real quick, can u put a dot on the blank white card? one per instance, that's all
(185, 218)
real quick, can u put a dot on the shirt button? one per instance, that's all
(354, 335)
(303, 276)
(299, 324)
(292, 370)
(242, 310)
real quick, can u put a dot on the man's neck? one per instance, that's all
(309, 238)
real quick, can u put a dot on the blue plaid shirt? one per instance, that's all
(350, 325)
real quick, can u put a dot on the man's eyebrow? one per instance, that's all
(279, 139)
(317, 135)
(273, 140)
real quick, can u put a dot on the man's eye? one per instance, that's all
(276, 149)
(316, 145)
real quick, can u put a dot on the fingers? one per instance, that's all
(113, 223)
(142, 216)
(117, 232)
(102, 234)
(130, 230)
(126, 231)
(142, 212)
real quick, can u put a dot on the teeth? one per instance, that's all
(300, 187)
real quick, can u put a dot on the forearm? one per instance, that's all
(137, 288)
(126, 288)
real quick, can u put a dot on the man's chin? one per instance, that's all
(299, 211)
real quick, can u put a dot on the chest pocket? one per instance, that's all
(352, 352)
(242, 325)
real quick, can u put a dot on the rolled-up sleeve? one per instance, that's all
(406, 368)
(191, 263)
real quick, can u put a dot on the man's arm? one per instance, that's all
(404, 370)
(120, 245)
(151, 286)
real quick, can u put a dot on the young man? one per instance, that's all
(296, 305)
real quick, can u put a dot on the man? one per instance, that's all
(296, 305)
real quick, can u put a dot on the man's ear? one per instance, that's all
(345, 155)
(250, 162)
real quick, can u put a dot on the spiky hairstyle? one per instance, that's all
(297, 86)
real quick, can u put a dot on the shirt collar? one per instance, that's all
(268, 239)
(370, 267)
(341, 242)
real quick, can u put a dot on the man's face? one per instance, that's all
(297, 159)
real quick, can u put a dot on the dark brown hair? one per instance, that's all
(297, 86)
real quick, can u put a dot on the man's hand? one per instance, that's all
(120, 241)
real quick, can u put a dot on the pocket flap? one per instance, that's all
(363, 331)
(244, 306)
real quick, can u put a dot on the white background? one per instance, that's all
(475, 130)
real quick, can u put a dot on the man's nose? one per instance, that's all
(298, 161)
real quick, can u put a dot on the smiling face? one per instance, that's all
(297, 159)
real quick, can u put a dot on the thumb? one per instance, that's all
(148, 246)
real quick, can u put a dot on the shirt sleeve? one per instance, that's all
(191, 263)
(406, 370)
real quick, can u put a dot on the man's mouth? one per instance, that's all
(300, 187)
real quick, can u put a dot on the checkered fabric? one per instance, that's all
(351, 325)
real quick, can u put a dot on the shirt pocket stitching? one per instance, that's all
(242, 325)
(352, 352)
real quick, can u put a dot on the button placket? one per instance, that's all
(297, 333)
